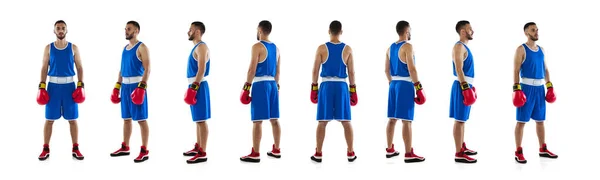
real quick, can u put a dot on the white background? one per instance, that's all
(567, 32)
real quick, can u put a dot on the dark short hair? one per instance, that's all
(200, 26)
(134, 23)
(60, 22)
(460, 25)
(401, 27)
(335, 27)
(527, 25)
(265, 26)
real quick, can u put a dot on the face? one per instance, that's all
(532, 33)
(130, 31)
(258, 32)
(60, 30)
(408, 33)
(192, 33)
(468, 31)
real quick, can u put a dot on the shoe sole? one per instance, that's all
(120, 154)
(313, 158)
(77, 157)
(141, 160)
(197, 161)
(522, 162)
(352, 159)
(250, 160)
(190, 154)
(273, 155)
(548, 156)
(391, 155)
(413, 160)
(464, 161)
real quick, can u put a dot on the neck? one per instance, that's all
(132, 41)
(197, 40)
(530, 43)
(263, 38)
(464, 40)
(402, 38)
(61, 41)
(334, 39)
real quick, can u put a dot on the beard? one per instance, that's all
(409, 37)
(61, 37)
(191, 37)
(128, 37)
(469, 36)
(533, 38)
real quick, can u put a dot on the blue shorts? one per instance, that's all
(61, 102)
(401, 100)
(334, 102)
(458, 110)
(535, 106)
(201, 110)
(130, 110)
(265, 101)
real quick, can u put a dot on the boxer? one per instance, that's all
(261, 91)
(404, 83)
(198, 94)
(130, 90)
(463, 94)
(529, 96)
(334, 97)
(61, 95)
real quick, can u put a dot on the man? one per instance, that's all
(530, 72)
(263, 79)
(463, 93)
(403, 80)
(60, 63)
(334, 97)
(131, 83)
(198, 95)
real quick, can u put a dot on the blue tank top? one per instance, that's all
(533, 65)
(62, 61)
(192, 68)
(334, 65)
(397, 67)
(268, 67)
(131, 65)
(468, 64)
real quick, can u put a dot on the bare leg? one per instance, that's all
(202, 132)
(391, 126)
(276, 132)
(349, 134)
(407, 135)
(127, 128)
(321, 135)
(541, 133)
(145, 132)
(74, 131)
(256, 135)
(458, 135)
(519, 133)
(48, 131)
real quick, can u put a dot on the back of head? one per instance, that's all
(401, 27)
(265, 26)
(527, 25)
(335, 27)
(134, 24)
(461, 25)
(200, 26)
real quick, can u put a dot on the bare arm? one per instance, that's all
(519, 56)
(459, 56)
(278, 65)
(120, 79)
(143, 50)
(350, 66)
(387, 66)
(45, 64)
(78, 65)
(317, 64)
(407, 54)
(202, 54)
(546, 71)
(253, 62)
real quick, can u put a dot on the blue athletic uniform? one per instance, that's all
(334, 97)
(458, 110)
(533, 68)
(200, 110)
(61, 72)
(132, 68)
(401, 104)
(264, 92)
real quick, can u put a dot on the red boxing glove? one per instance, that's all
(314, 93)
(519, 97)
(353, 96)
(139, 94)
(420, 99)
(115, 97)
(550, 96)
(190, 95)
(469, 96)
(79, 94)
(42, 96)
(245, 97)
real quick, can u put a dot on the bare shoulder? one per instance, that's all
(348, 48)
(47, 48)
(322, 48)
(520, 49)
(407, 46)
(459, 47)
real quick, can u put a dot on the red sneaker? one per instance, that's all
(76, 154)
(391, 152)
(411, 157)
(468, 151)
(276, 153)
(192, 152)
(462, 157)
(519, 156)
(199, 157)
(544, 152)
(123, 151)
(253, 157)
(143, 155)
(351, 156)
(45, 153)
(317, 157)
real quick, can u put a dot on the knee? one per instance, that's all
(49, 122)
(406, 123)
(539, 123)
(392, 122)
(127, 121)
(72, 122)
(274, 122)
(323, 123)
(346, 124)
